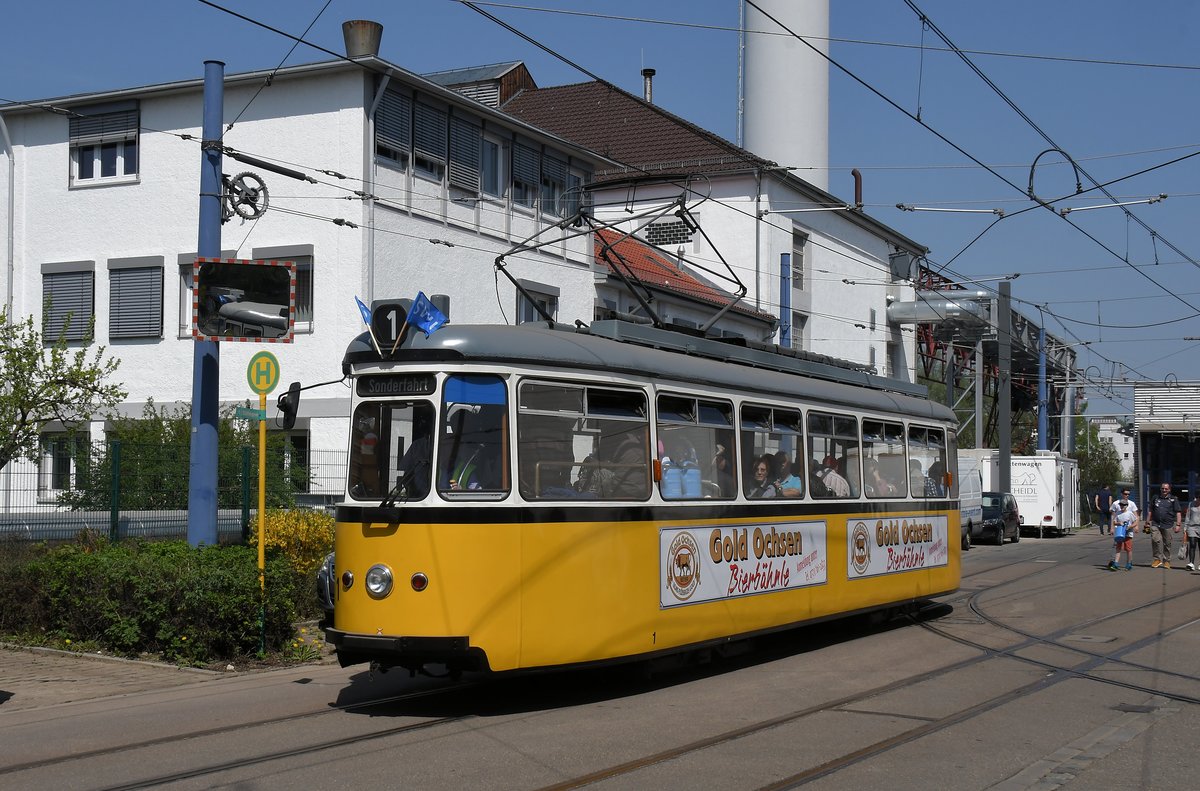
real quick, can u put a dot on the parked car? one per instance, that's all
(970, 498)
(1001, 518)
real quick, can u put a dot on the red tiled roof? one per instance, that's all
(660, 272)
(623, 127)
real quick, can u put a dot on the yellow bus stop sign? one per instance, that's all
(263, 373)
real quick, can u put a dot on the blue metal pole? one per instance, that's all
(206, 357)
(1043, 395)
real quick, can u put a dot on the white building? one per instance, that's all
(1113, 431)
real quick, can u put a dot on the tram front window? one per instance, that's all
(391, 450)
(472, 451)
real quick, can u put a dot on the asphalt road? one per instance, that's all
(1043, 671)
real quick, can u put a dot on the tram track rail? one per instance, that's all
(200, 733)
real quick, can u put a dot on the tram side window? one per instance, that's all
(834, 455)
(926, 462)
(695, 448)
(581, 442)
(391, 450)
(773, 446)
(883, 459)
(473, 453)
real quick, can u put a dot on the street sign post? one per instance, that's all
(263, 375)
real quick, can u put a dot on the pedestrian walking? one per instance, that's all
(1165, 517)
(1123, 525)
(1103, 504)
(1191, 524)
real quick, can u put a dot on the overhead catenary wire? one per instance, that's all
(567, 60)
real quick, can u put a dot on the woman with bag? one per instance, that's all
(1191, 523)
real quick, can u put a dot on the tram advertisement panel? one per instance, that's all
(708, 563)
(888, 546)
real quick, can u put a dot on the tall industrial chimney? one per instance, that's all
(785, 88)
(362, 37)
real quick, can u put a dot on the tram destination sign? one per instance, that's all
(396, 385)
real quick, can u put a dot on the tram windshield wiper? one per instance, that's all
(401, 483)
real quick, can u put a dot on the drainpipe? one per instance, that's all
(10, 270)
(757, 252)
(369, 181)
(12, 219)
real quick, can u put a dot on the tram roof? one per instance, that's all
(621, 347)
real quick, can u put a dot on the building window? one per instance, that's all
(554, 185)
(526, 175)
(492, 175)
(799, 321)
(542, 295)
(68, 293)
(302, 255)
(135, 297)
(393, 129)
(668, 233)
(429, 142)
(574, 198)
(465, 155)
(58, 465)
(799, 240)
(104, 143)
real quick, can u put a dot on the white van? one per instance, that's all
(970, 497)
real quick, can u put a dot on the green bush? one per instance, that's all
(187, 605)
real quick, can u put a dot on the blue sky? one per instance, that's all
(1125, 289)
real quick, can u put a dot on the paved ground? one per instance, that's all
(33, 678)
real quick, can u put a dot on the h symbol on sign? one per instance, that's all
(263, 372)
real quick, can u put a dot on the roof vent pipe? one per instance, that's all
(362, 37)
(858, 204)
(647, 85)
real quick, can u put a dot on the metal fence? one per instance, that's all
(126, 490)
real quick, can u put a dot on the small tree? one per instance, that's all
(1099, 462)
(41, 383)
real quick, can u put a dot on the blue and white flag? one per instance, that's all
(365, 311)
(425, 316)
(366, 317)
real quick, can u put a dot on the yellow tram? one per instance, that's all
(535, 496)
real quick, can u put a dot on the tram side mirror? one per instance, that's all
(289, 404)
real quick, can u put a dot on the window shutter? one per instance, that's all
(525, 164)
(554, 171)
(465, 139)
(393, 121)
(70, 294)
(429, 133)
(135, 303)
(87, 129)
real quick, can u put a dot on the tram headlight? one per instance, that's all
(378, 581)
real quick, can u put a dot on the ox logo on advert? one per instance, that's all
(860, 548)
(683, 567)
